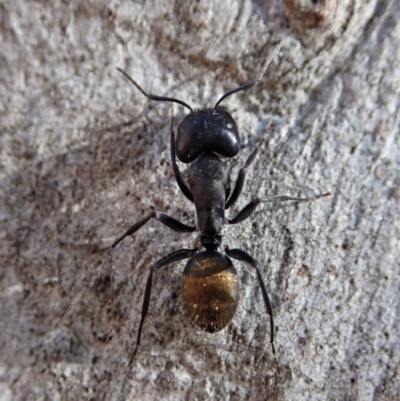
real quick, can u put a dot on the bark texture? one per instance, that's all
(84, 155)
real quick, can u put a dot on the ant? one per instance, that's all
(210, 288)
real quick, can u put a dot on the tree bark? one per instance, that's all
(84, 155)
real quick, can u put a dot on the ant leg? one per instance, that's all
(251, 206)
(178, 175)
(243, 256)
(242, 172)
(166, 260)
(163, 218)
(241, 177)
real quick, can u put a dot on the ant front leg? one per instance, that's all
(241, 177)
(242, 172)
(170, 222)
(166, 260)
(178, 175)
(251, 206)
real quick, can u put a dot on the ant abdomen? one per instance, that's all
(210, 290)
(205, 131)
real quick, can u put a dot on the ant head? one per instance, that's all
(207, 130)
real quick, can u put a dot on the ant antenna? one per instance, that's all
(254, 82)
(154, 97)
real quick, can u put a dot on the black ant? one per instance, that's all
(210, 292)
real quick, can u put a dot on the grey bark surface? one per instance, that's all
(84, 155)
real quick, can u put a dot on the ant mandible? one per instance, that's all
(210, 288)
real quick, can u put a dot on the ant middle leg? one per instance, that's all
(251, 206)
(170, 222)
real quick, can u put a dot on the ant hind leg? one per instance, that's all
(243, 256)
(166, 260)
